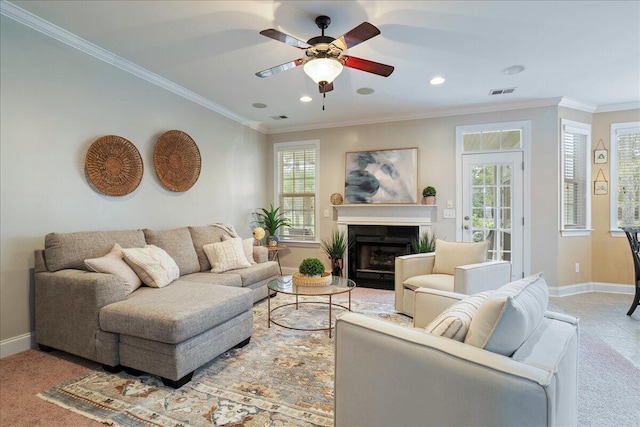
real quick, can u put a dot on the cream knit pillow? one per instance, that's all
(153, 265)
(226, 255)
(454, 321)
(113, 263)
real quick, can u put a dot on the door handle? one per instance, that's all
(466, 226)
(466, 218)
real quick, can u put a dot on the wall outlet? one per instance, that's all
(449, 213)
(449, 204)
(326, 213)
(577, 267)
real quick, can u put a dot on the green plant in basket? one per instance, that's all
(425, 243)
(311, 267)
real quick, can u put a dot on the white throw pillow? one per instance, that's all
(113, 263)
(454, 321)
(226, 255)
(247, 246)
(153, 265)
(450, 255)
(509, 316)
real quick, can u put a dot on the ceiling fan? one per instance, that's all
(324, 58)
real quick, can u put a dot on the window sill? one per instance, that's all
(300, 243)
(576, 233)
(617, 233)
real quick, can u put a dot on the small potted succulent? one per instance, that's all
(429, 195)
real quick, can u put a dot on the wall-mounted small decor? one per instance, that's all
(177, 160)
(382, 176)
(600, 185)
(600, 154)
(114, 165)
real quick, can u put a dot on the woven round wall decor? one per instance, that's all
(177, 160)
(114, 165)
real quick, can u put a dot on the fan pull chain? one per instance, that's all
(324, 95)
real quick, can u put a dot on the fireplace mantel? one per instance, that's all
(379, 214)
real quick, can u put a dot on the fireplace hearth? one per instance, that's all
(374, 250)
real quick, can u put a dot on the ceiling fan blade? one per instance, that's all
(362, 32)
(368, 66)
(325, 88)
(279, 68)
(284, 38)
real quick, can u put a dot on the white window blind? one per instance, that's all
(576, 172)
(296, 186)
(625, 175)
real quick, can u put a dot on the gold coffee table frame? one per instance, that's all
(285, 285)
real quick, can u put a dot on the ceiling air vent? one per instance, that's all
(502, 91)
(280, 117)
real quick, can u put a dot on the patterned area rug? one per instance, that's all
(282, 378)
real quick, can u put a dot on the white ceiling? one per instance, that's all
(584, 51)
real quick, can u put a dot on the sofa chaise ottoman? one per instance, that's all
(166, 331)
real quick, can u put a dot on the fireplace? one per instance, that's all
(374, 250)
(383, 232)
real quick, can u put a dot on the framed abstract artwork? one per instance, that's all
(381, 176)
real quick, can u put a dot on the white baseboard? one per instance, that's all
(583, 288)
(17, 344)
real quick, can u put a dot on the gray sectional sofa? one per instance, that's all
(168, 331)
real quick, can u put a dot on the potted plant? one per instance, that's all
(335, 247)
(429, 195)
(311, 267)
(425, 243)
(271, 220)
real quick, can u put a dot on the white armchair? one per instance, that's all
(454, 267)
(390, 375)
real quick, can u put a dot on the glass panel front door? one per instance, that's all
(492, 199)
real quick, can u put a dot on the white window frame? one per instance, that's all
(279, 146)
(628, 127)
(583, 129)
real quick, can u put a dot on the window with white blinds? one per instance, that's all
(625, 175)
(576, 173)
(296, 186)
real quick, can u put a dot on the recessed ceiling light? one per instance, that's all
(259, 105)
(365, 91)
(437, 80)
(306, 98)
(514, 69)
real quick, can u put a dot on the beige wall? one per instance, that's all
(611, 256)
(435, 139)
(55, 102)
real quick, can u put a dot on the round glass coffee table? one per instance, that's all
(285, 284)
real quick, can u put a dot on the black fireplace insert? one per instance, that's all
(373, 253)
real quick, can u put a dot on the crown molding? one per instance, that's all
(435, 113)
(618, 107)
(30, 20)
(577, 105)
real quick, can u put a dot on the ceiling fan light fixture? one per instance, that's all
(323, 69)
